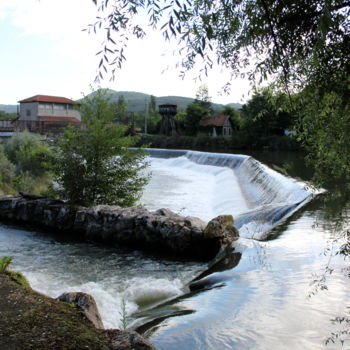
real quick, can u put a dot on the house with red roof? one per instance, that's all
(216, 125)
(43, 113)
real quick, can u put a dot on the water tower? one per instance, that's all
(168, 112)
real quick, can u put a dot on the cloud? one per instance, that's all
(56, 18)
(57, 25)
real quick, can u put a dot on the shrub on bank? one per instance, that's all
(25, 162)
(238, 141)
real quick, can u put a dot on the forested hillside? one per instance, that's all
(8, 108)
(138, 102)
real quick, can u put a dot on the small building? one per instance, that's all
(7, 125)
(216, 125)
(44, 114)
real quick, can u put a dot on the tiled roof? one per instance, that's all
(44, 98)
(215, 120)
(59, 119)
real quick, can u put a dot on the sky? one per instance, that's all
(44, 50)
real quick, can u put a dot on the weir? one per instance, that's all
(258, 197)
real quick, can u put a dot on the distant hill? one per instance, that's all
(138, 101)
(8, 108)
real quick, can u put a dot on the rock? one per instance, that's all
(138, 228)
(30, 196)
(195, 223)
(166, 212)
(86, 303)
(127, 340)
(221, 227)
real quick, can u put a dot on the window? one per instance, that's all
(45, 105)
(58, 106)
(28, 113)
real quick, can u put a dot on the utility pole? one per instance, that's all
(146, 103)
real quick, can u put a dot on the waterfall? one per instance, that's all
(258, 197)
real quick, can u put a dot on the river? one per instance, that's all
(260, 297)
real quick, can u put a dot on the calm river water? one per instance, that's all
(258, 299)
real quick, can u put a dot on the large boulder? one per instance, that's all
(217, 235)
(86, 303)
(221, 227)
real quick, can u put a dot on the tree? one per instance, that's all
(153, 117)
(324, 129)
(120, 111)
(235, 118)
(6, 116)
(203, 99)
(194, 113)
(262, 117)
(95, 165)
(152, 106)
(300, 45)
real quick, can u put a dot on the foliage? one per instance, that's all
(5, 263)
(152, 106)
(236, 120)
(194, 113)
(180, 120)
(7, 116)
(7, 172)
(298, 45)
(95, 165)
(28, 153)
(203, 99)
(275, 36)
(262, 115)
(153, 117)
(25, 163)
(219, 144)
(120, 111)
(123, 314)
(324, 129)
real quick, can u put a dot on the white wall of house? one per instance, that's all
(28, 111)
(58, 110)
(32, 110)
(227, 129)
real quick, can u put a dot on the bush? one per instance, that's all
(5, 263)
(7, 173)
(28, 153)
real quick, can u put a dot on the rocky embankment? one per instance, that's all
(135, 227)
(30, 320)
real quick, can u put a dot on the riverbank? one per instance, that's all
(234, 144)
(30, 320)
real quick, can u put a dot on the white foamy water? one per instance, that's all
(193, 189)
(206, 185)
(112, 276)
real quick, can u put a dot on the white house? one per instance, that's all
(43, 113)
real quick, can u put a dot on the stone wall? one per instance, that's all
(139, 228)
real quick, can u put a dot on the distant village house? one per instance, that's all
(44, 114)
(216, 125)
